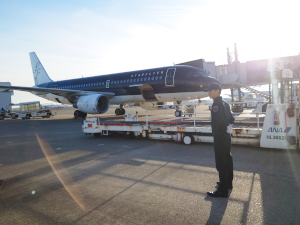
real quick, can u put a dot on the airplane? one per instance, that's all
(93, 95)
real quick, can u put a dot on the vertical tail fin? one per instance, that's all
(39, 73)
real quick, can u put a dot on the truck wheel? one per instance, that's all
(188, 139)
(96, 134)
(48, 115)
(27, 116)
(128, 134)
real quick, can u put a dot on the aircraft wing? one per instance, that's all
(60, 92)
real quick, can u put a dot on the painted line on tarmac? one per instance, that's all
(30, 134)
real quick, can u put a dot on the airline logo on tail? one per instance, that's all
(36, 70)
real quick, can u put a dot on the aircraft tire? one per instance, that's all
(123, 111)
(178, 113)
(118, 111)
(76, 114)
(83, 115)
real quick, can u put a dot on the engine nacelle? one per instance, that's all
(93, 104)
(151, 105)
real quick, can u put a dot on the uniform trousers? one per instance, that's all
(224, 164)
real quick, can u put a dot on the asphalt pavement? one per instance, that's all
(54, 174)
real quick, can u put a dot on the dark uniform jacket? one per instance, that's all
(221, 117)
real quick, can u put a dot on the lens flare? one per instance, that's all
(65, 179)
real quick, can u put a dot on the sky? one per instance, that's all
(88, 38)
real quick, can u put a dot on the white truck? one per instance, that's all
(33, 109)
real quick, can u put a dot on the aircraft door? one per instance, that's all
(107, 83)
(170, 75)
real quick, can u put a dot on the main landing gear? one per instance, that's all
(178, 113)
(120, 110)
(78, 114)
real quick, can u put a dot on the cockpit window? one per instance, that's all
(203, 74)
(193, 74)
(197, 74)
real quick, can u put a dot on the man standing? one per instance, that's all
(221, 123)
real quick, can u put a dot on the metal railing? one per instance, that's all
(182, 118)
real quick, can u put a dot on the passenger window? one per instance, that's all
(149, 78)
(121, 81)
(132, 75)
(134, 80)
(142, 74)
(130, 80)
(156, 78)
(160, 77)
(152, 78)
(139, 75)
(127, 80)
(162, 72)
(146, 74)
(138, 80)
(117, 81)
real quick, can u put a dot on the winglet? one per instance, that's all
(39, 73)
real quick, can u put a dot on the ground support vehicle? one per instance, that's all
(280, 129)
(33, 109)
(188, 110)
(8, 114)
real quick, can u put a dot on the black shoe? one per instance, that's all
(229, 186)
(217, 194)
(1, 183)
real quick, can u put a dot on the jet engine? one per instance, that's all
(93, 104)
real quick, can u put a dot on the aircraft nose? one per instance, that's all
(208, 81)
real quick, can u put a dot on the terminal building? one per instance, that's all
(5, 97)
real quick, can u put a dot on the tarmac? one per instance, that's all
(54, 174)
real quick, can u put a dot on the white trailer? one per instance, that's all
(280, 129)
